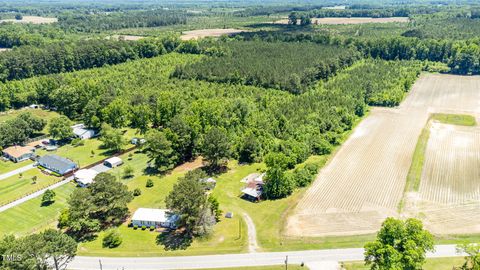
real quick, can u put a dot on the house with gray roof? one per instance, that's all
(57, 164)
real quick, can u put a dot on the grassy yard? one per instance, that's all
(30, 216)
(7, 165)
(431, 264)
(44, 114)
(17, 186)
(270, 267)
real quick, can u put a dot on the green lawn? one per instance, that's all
(17, 186)
(44, 114)
(7, 165)
(30, 216)
(431, 264)
(271, 267)
(455, 119)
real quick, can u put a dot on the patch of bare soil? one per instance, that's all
(196, 34)
(126, 37)
(32, 19)
(189, 166)
(365, 180)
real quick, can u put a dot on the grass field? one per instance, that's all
(7, 165)
(30, 216)
(455, 119)
(431, 264)
(44, 114)
(17, 186)
(276, 267)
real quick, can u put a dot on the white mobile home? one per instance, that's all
(155, 217)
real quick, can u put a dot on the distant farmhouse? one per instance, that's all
(155, 217)
(81, 132)
(18, 153)
(57, 164)
(253, 188)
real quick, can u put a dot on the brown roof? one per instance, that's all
(18, 151)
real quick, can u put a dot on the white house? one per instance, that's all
(113, 162)
(155, 217)
(85, 177)
(81, 132)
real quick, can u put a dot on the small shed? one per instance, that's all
(18, 153)
(81, 132)
(57, 164)
(85, 177)
(113, 162)
(155, 217)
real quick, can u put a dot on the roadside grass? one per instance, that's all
(17, 186)
(455, 119)
(270, 267)
(30, 216)
(431, 264)
(7, 165)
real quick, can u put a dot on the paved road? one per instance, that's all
(15, 172)
(310, 257)
(99, 168)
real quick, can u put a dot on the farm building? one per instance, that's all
(155, 217)
(81, 132)
(57, 164)
(136, 141)
(113, 162)
(85, 177)
(253, 188)
(18, 153)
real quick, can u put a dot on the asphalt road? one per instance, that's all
(310, 257)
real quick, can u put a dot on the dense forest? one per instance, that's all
(288, 66)
(118, 20)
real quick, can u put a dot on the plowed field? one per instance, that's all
(364, 182)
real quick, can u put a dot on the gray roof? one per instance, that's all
(57, 162)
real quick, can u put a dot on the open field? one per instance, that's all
(44, 114)
(364, 182)
(31, 216)
(32, 19)
(126, 37)
(352, 20)
(196, 34)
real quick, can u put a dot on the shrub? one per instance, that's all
(135, 227)
(128, 172)
(152, 228)
(76, 142)
(144, 228)
(149, 183)
(137, 192)
(112, 239)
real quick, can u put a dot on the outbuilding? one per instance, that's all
(113, 162)
(18, 153)
(57, 164)
(81, 132)
(155, 217)
(85, 177)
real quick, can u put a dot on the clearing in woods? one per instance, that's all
(32, 19)
(196, 34)
(365, 181)
(354, 20)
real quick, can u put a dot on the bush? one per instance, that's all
(149, 183)
(112, 239)
(152, 228)
(137, 192)
(128, 172)
(304, 176)
(135, 227)
(144, 228)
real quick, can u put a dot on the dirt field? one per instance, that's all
(196, 34)
(32, 19)
(357, 20)
(449, 193)
(365, 180)
(126, 37)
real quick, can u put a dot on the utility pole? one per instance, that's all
(100, 262)
(286, 262)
